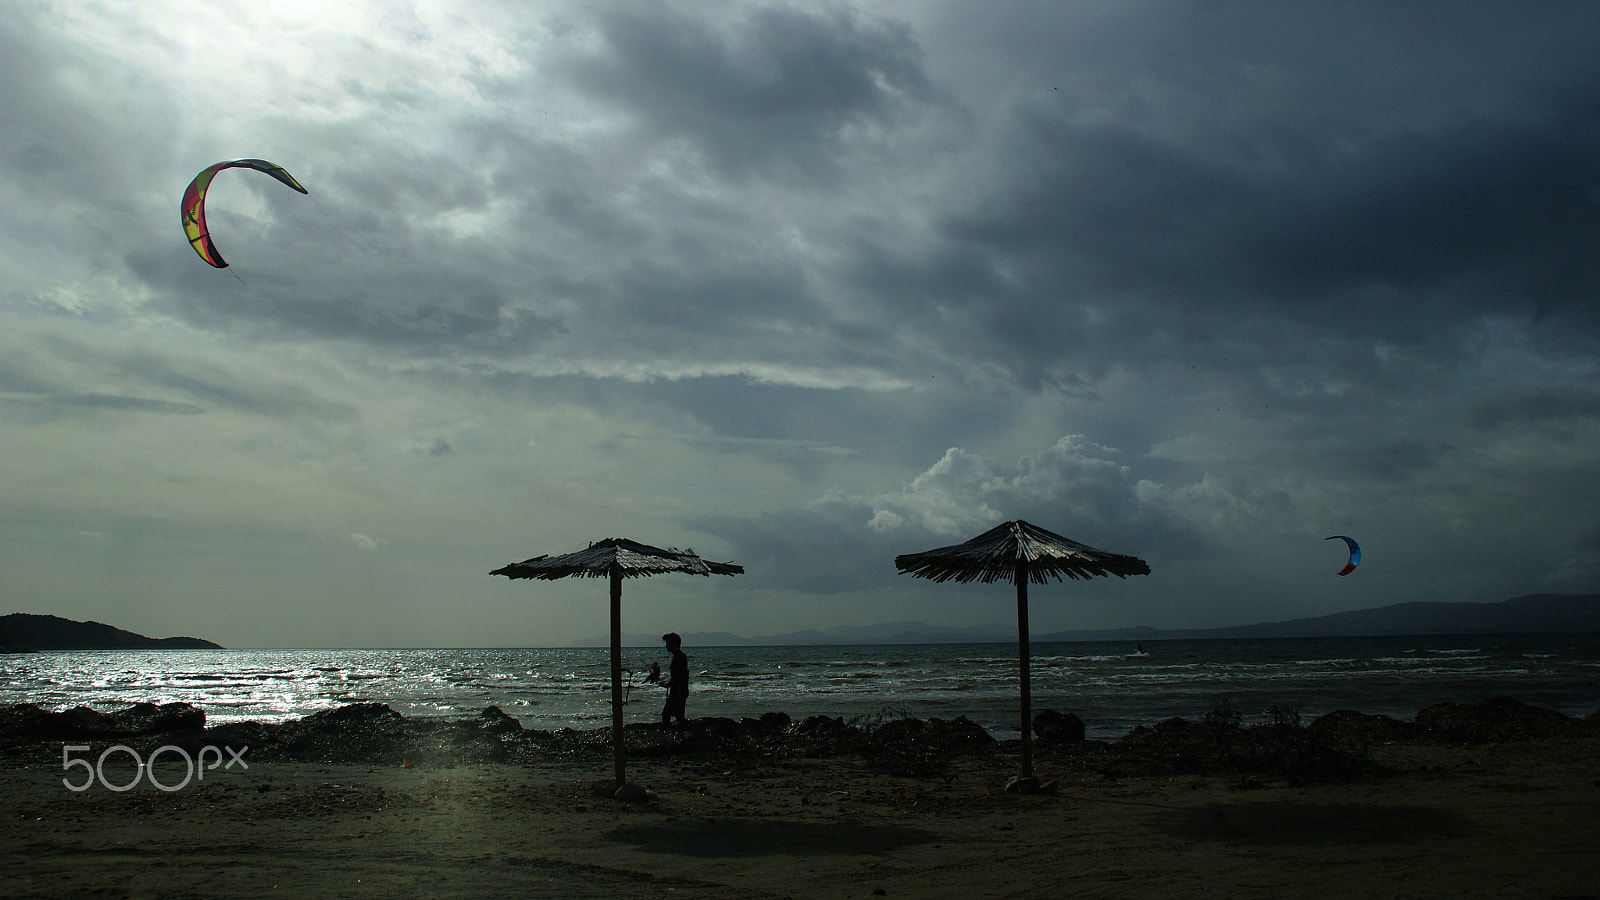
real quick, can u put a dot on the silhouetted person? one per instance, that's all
(677, 681)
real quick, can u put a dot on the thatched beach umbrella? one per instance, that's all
(1019, 552)
(616, 558)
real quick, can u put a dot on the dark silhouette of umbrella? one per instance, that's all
(616, 558)
(1019, 552)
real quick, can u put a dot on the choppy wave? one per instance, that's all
(1104, 682)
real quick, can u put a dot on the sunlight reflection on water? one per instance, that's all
(1109, 686)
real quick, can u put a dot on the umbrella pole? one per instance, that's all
(617, 756)
(1023, 670)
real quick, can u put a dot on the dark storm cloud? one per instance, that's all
(35, 408)
(16, 378)
(1529, 406)
(30, 393)
(1503, 212)
(71, 142)
(769, 89)
(52, 375)
(53, 134)
(822, 549)
(1243, 186)
(1588, 541)
(129, 404)
(439, 447)
(800, 428)
(697, 291)
(1076, 487)
(825, 288)
(1386, 460)
(417, 309)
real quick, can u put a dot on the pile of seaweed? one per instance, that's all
(1333, 746)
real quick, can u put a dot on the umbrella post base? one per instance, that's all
(628, 792)
(1027, 784)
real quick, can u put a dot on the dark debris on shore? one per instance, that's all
(1334, 746)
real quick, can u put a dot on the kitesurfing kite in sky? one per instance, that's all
(194, 203)
(1355, 553)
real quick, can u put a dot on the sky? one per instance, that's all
(801, 287)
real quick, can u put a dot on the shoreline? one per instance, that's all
(1490, 798)
(1472, 800)
(364, 731)
(570, 689)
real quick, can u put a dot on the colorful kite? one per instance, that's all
(1355, 553)
(194, 203)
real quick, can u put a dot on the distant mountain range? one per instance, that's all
(1533, 614)
(21, 632)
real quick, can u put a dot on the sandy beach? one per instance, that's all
(1489, 814)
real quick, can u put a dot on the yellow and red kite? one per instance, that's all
(194, 203)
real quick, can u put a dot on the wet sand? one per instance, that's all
(1500, 818)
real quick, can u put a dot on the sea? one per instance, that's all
(1112, 686)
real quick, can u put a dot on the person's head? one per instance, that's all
(672, 640)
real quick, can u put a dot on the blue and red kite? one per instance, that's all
(1355, 553)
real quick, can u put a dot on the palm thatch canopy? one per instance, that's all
(1019, 553)
(616, 559)
(1005, 550)
(632, 559)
